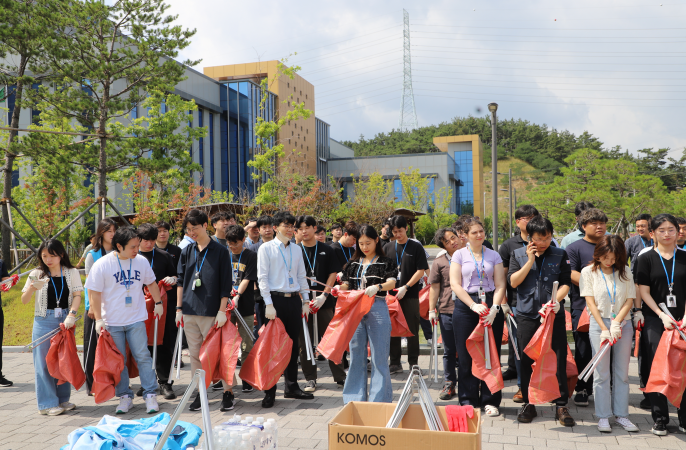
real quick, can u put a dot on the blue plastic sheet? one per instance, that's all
(141, 434)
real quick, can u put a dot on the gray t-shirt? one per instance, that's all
(90, 262)
(635, 245)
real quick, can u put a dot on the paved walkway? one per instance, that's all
(303, 424)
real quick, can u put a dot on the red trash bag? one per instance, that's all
(543, 387)
(668, 372)
(63, 361)
(219, 353)
(424, 302)
(351, 306)
(637, 340)
(131, 363)
(109, 364)
(268, 358)
(399, 326)
(584, 322)
(568, 321)
(506, 336)
(572, 372)
(475, 346)
(150, 321)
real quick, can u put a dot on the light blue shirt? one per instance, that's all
(185, 242)
(273, 274)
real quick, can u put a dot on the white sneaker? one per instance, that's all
(68, 406)
(151, 405)
(125, 404)
(491, 411)
(403, 342)
(604, 426)
(56, 411)
(626, 424)
(429, 342)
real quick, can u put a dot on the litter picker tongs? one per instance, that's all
(415, 385)
(176, 355)
(46, 337)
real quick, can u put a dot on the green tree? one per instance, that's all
(371, 202)
(416, 193)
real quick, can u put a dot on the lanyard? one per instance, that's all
(288, 268)
(347, 255)
(614, 289)
(540, 270)
(195, 251)
(128, 282)
(152, 260)
(312, 266)
(55, 287)
(476, 264)
(239, 263)
(671, 282)
(398, 263)
(365, 269)
(644, 244)
(450, 261)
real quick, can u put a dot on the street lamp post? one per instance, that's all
(493, 107)
(509, 199)
(510, 194)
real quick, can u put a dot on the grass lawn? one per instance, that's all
(19, 317)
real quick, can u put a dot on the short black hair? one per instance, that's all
(235, 233)
(122, 237)
(283, 217)
(163, 224)
(644, 216)
(194, 217)
(681, 220)
(265, 220)
(352, 229)
(336, 226)
(147, 232)
(320, 229)
(526, 211)
(592, 215)
(662, 218)
(440, 234)
(250, 219)
(398, 222)
(581, 207)
(307, 220)
(540, 225)
(222, 215)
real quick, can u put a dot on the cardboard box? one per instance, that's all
(362, 426)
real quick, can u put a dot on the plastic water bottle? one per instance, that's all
(260, 420)
(236, 419)
(249, 419)
(234, 440)
(219, 438)
(275, 430)
(255, 438)
(268, 437)
(257, 424)
(246, 443)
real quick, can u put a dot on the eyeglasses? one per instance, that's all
(288, 227)
(664, 232)
(192, 229)
(526, 219)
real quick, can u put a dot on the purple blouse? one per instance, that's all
(470, 277)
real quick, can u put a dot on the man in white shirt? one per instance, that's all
(281, 276)
(116, 297)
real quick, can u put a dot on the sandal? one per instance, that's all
(491, 411)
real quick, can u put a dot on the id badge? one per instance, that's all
(58, 312)
(313, 284)
(482, 296)
(671, 301)
(399, 277)
(128, 302)
(454, 297)
(235, 275)
(290, 280)
(198, 283)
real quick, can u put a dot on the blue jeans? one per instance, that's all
(137, 338)
(615, 400)
(518, 362)
(48, 393)
(374, 328)
(449, 348)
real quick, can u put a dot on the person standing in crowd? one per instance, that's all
(635, 244)
(252, 231)
(441, 297)
(386, 234)
(371, 271)
(266, 227)
(336, 233)
(609, 290)
(344, 246)
(162, 265)
(204, 287)
(281, 276)
(532, 272)
(464, 218)
(478, 281)
(4, 275)
(244, 275)
(163, 243)
(593, 222)
(523, 215)
(103, 245)
(58, 288)
(116, 294)
(320, 264)
(411, 263)
(661, 275)
(578, 232)
(681, 237)
(320, 234)
(220, 222)
(89, 246)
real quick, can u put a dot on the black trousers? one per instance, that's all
(309, 368)
(2, 327)
(583, 352)
(410, 307)
(90, 345)
(289, 310)
(426, 328)
(526, 328)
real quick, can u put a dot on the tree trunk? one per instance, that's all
(102, 160)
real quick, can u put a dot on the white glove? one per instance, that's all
(638, 319)
(605, 335)
(506, 309)
(270, 312)
(39, 284)
(335, 291)
(234, 302)
(667, 321)
(159, 309)
(306, 309)
(433, 317)
(179, 318)
(169, 281)
(221, 319)
(490, 317)
(616, 330)
(318, 302)
(99, 326)
(401, 292)
(556, 307)
(479, 308)
(372, 290)
(339, 276)
(69, 322)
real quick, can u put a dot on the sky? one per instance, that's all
(612, 68)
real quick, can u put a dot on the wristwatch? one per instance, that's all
(73, 312)
(635, 309)
(158, 303)
(380, 287)
(497, 307)
(179, 308)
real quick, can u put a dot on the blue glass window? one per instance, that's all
(201, 153)
(464, 172)
(211, 133)
(397, 190)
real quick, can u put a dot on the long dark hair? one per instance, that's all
(370, 232)
(103, 227)
(615, 244)
(55, 248)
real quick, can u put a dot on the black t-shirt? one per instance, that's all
(174, 252)
(505, 251)
(163, 266)
(649, 272)
(580, 255)
(377, 272)
(411, 258)
(325, 262)
(244, 267)
(342, 253)
(384, 242)
(487, 244)
(52, 295)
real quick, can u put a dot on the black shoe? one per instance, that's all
(562, 415)
(299, 394)
(238, 363)
(395, 368)
(167, 392)
(247, 388)
(227, 402)
(645, 404)
(340, 383)
(321, 358)
(509, 375)
(268, 400)
(448, 391)
(346, 364)
(195, 406)
(527, 413)
(581, 398)
(659, 429)
(140, 392)
(218, 386)
(4, 382)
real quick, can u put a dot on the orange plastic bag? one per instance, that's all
(584, 322)
(475, 346)
(668, 372)
(150, 321)
(351, 306)
(399, 326)
(109, 364)
(639, 328)
(568, 321)
(424, 302)
(131, 363)
(543, 387)
(63, 361)
(219, 353)
(572, 372)
(268, 358)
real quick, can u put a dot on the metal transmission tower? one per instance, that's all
(408, 113)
